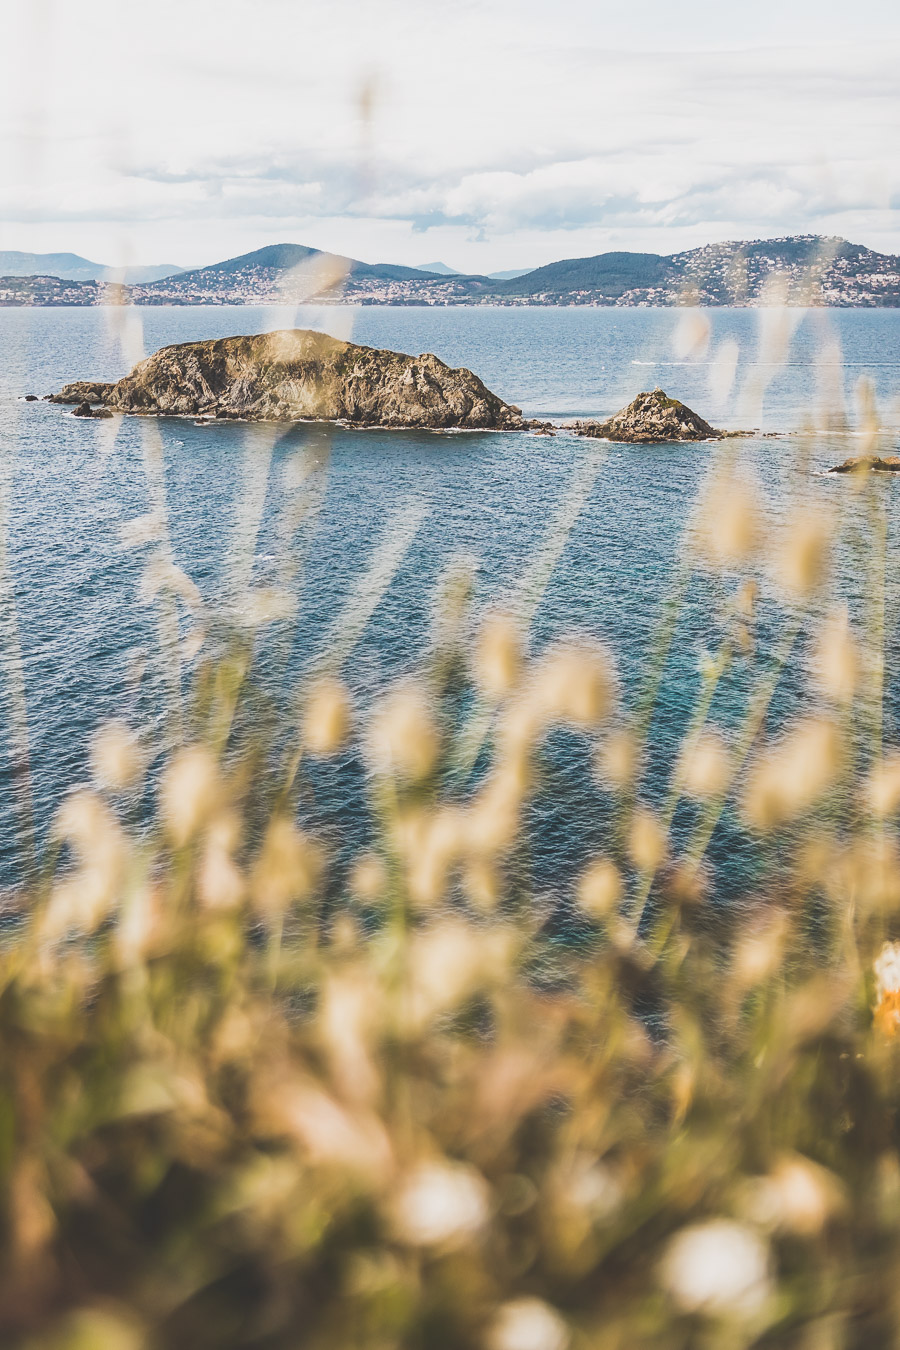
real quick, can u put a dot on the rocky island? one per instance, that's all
(299, 375)
(654, 419)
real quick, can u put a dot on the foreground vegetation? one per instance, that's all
(252, 1095)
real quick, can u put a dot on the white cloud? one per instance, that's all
(512, 134)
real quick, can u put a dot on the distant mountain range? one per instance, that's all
(800, 270)
(439, 268)
(71, 267)
(443, 270)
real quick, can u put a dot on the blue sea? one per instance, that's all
(81, 644)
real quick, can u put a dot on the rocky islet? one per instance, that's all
(653, 419)
(297, 375)
(302, 375)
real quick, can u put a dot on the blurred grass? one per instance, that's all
(234, 1113)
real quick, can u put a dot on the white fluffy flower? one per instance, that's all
(720, 1268)
(528, 1324)
(439, 1204)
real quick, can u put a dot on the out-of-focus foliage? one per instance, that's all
(239, 1111)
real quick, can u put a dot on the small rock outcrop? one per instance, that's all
(869, 464)
(299, 375)
(653, 419)
(83, 391)
(85, 410)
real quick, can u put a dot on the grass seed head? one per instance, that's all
(83, 898)
(220, 883)
(368, 878)
(403, 739)
(706, 766)
(600, 888)
(326, 719)
(498, 657)
(482, 884)
(797, 1196)
(794, 775)
(837, 663)
(646, 840)
(617, 760)
(574, 684)
(189, 793)
(802, 561)
(116, 761)
(729, 531)
(883, 786)
(692, 334)
(288, 867)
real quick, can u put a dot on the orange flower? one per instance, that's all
(887, 1014)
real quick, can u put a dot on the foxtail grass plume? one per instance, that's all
(189, 793)
(220, 883)
(326, 718)
(759, 951)
(449, 960)
(706, 766)
(482, 883)
(802, 560)
(797, 1196)
(646, 840)
(600, 888)
(791, 777)
(288, 867)
(690, 340)
(837, 658)
(867, 412)
(728, 527)
(432, 848)
(83, 898)
(498, 656)
(883, 786)
(403, 739)
(722, 371)
(492, 819)
(368, 879)
(574, 684)
(116, 760)
(617, 760)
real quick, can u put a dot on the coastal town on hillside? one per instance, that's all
(798, 270)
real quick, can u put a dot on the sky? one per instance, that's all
(489, 135)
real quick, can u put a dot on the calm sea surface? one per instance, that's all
(328, 503)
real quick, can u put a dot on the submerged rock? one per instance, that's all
(31, 398)
(651, 419)
(298, 375)
(869, 463)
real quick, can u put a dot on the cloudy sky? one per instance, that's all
(496, 134)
